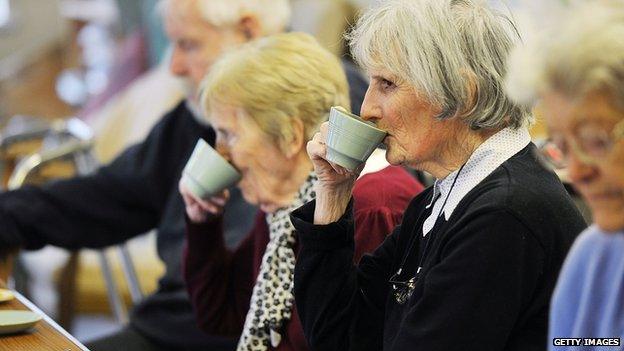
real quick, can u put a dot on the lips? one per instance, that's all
(602, 196)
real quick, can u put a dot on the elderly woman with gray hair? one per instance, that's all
(266, 100)
(578, 76)
(475, 260)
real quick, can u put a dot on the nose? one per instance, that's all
(177, 64)
(370, 109)
(579, 171)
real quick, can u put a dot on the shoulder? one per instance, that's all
(392, 187)
(177, 132)
(526, 195)
(582, 260)
(594, 250)
(591, 238)
(180, 119)
(591, 243)
(178, 115)
(524, 187)
(174, 123)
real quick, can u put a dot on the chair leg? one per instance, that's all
(130, 274)
(114, 299)
(67, 288)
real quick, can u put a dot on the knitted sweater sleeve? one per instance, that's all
(122, 199)
(219, 281)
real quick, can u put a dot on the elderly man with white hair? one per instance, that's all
(138, 191)
(474, 262)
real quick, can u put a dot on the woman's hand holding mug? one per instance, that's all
(335, 183)
(198, 210)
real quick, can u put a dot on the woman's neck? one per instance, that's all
(457, 152)
(290, 180)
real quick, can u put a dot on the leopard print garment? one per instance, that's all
(272, 298)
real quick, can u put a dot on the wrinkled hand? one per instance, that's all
(335, 184)
(198, 210)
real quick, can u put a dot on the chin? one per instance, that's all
(250, 197)
(268, 208)
(393, 159)
(253, 198)
(609, 222)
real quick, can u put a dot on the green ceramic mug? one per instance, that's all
(207, 173)
(350, 139)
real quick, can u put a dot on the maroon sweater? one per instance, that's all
(220, 281)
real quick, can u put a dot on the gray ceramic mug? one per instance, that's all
(350, 139)
(207, 173)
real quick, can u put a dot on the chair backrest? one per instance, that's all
(70, 141)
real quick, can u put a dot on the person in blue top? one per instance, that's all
(578, 72)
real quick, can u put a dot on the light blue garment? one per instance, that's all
(588, 301)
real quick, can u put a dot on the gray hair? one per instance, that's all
(452, 51)
(273, 15)
(582, 53)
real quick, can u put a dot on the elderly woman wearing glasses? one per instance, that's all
(266, 100)
(474, 262)
(579, 71)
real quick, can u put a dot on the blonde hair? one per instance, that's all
(582, 52)
(439, 47)
(276, 79)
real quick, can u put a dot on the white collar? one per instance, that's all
(484, 160)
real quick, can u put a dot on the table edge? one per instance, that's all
(49, 320)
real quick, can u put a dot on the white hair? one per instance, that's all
(581, 53)
(273, 15)
(452, 51)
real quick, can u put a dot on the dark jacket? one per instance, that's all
(486, 279)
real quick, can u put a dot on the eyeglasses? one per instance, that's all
(590, 144)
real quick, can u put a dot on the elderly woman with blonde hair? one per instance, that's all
(473, 263)
(577, 73)
(266, 100)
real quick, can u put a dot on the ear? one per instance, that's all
(297, 140)
(250, 27)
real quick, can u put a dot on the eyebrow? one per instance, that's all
(380, 77)
(389, 77)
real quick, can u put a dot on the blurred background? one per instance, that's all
(82, 79)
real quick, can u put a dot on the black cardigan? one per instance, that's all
(487, 276)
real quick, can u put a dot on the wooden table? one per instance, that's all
(45, 336)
